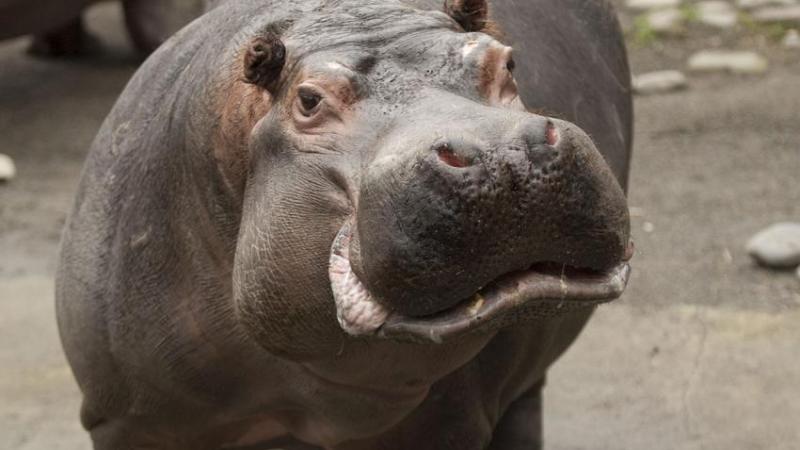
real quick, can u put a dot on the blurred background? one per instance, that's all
(702, 352)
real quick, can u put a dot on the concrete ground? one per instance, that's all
(701, 353)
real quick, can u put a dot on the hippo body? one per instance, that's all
(58, 29)
(279, 220)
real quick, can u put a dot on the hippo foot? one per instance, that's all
(68, 40)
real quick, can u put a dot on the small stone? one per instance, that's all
(648, 227)
(658, 82)
(7, 168)
(778, 14)
(792, 39)
(645, 5)
(777, 246)
(717, 13)
(665, 21)
(722, 60)
(636, 211)
(750, 4)
(727, 256)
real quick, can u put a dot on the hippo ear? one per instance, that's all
(472, 15)
(263, 61)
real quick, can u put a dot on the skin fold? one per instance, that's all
(193, 294)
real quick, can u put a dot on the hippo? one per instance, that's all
(58, 28)
(349, 224)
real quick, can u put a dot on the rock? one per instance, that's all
(7, 168)
(645, 5)
(778, 14)
(733, 61)
(658, 82)
(777, 246)
(637, 211)
(665, 21)
(750, 4)
(717, 13)
(792, 39)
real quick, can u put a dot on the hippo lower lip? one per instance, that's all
(544, 290)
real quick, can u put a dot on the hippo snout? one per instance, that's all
(445, 210)
(535, 141)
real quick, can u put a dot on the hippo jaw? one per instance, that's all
(545, 290)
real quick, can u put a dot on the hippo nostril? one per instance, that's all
(630, 249)
(551, 134)
(448, 156)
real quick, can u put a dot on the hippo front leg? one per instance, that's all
(128, 435)
(520, 428)
(279, 444)
(131, 435)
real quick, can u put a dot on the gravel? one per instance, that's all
(744, 62)
(659, 82)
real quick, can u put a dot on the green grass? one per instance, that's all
(642, 34)
(690, 13)
(773, 31)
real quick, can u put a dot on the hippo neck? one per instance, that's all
(175, 214)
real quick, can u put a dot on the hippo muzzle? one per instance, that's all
(483, 220)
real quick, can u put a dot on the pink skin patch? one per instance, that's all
(551, 134)
(449, 157)
(629, 251)
(357, 311)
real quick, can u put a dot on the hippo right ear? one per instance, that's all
(472, 15)
(263, 61)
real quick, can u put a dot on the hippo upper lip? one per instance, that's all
(543, 290)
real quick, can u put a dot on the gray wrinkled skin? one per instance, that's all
(193, 295)
(58, 30)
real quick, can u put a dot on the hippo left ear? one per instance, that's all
(263, 61)
(472, 15)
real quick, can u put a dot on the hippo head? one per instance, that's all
(399, 189)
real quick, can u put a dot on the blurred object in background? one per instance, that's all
(730, 61)
(651, 4)
(717, 13)
(660, 81)
(58, 29)
(792, 39)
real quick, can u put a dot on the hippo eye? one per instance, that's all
(309, 101)
(510, 65)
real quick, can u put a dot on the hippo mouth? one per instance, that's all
(544, 290)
